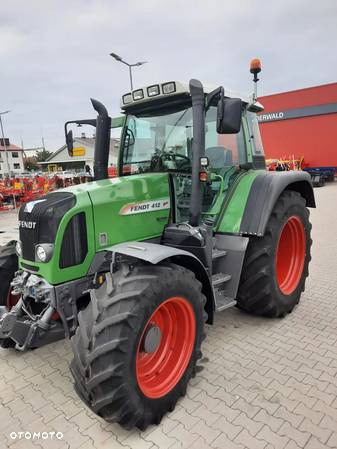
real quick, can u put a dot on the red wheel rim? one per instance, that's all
(290, 255)
(160, 371)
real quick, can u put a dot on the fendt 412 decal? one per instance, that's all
(145, 206)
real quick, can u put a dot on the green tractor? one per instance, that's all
(131, 268)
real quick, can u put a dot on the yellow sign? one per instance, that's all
(78, 151)
(52, 167)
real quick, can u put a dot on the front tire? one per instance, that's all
(8, 267)
(122, 370)
(276, 265)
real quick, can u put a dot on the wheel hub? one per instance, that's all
(151, 339)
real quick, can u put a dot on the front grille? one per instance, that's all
(75, 243)
(40, 225)
(29, 267)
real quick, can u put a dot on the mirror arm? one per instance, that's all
(211, 96)
(91, 122)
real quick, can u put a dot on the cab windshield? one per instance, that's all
(163, 142)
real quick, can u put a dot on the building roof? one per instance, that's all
(308, 96)
(10, 147)
(61, 155)
(326, 86)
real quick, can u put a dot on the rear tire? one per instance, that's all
(276, 265)
(114, 374)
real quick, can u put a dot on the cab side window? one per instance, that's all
(223, 150)
(254, 130)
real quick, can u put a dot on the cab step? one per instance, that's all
(220, 278)
(223, 302)
(216, 253)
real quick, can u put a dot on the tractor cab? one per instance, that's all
(158, 137)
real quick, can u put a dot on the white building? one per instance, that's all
(13, 163)
(60, 160)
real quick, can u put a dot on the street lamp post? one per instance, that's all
(4, 141)
(136, 64)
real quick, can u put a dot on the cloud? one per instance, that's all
(55, 55)
(11, 41)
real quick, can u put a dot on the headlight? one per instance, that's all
(169, 88)
(152, 91)
(138, 94)
(18, 248)
(44, 252)
(41, 253)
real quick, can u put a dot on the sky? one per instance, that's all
(54, 54)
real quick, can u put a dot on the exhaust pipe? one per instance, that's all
(102, 143)
(198, 149)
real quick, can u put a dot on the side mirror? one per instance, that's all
(69, 134)
(69, 142)
(229, 115)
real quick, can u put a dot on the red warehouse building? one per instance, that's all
(301, 123)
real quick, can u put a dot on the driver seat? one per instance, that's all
(219, 157)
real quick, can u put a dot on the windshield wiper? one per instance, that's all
(173, 128)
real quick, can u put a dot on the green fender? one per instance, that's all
(155, 253)
(253, 196)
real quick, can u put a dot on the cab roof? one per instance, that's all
(175, 89)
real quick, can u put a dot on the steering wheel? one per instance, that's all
(186, 159)
(162, 156)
